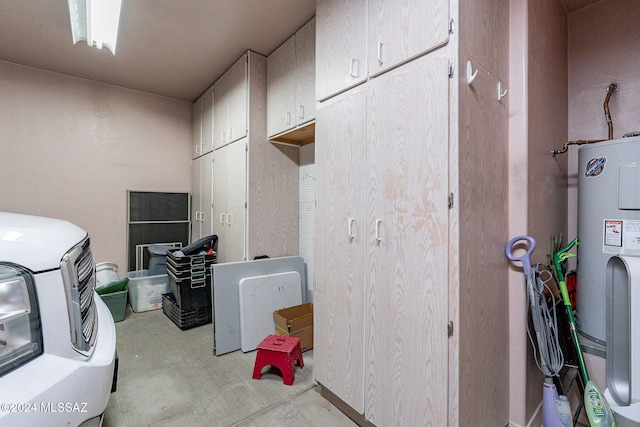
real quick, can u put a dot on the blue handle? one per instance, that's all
(524, 259)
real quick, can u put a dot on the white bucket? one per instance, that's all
(106, 272)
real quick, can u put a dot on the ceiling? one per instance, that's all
(172, 48)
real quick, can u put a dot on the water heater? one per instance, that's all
(608, 223)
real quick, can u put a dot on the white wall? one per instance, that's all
(71, 148)
(537, 182)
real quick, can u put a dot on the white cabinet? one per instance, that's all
(196, 128)
(382, 245)
(255, 197)
(412, 169)
(306, 72)
(340, 242)
(281, 88)
(202, 196)
(408, 228)
(401, 30)
(230, 104)
(361, 38)
(291, 82)
(341, 48)
(202, 124)
(229, 197)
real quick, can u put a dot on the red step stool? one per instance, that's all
(279, 351)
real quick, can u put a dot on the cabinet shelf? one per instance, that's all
(305, 134)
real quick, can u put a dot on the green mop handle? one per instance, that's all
(558, 258)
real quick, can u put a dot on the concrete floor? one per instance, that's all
(170, 377)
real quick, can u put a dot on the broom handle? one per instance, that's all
(558, 258)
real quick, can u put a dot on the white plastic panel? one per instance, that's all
(260, 296)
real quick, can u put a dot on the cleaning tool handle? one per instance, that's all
(562, 255)
(525, 259)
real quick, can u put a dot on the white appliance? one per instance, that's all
(623, 339)
(608, 223)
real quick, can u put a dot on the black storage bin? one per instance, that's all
(190, 279)
(185, 319)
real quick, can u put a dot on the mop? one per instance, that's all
(556, 411)
(598, 410)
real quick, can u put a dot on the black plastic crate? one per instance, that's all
(190, 279)
(189, 263)
(193, 273)
(185, 319)
(191, 293)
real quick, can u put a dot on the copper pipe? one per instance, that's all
(566, 145)
(613, 87)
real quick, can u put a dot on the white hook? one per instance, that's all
(501, 93)
(471, 75)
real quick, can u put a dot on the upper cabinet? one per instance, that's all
(341, 47)
(361, 38)
(202, 123)
(399, 31)
(291, 88)
(230, 107)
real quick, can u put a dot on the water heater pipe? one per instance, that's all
(613, 87)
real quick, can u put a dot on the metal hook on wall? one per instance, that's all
(501, 93)
(471, 75)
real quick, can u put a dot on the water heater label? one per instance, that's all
(612, 233)
(595, 166)
(621, 237)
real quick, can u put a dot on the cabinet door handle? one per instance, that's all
(202, 216)
(350, 228)
(229, 218)
(198, 149)
(287, 119)
(221, 217)
(301, 111)
(380, 53)
(354, 68)
(223, 137)
(378, 238)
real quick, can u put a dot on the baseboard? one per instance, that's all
(355, 416)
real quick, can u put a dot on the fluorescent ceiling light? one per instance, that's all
(95, 21)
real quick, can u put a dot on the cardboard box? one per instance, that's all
(296, 321)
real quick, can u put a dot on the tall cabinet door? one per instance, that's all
(281, 95)
(237, 100)
(196, 198)
(340, 240)
(196, 128)
(236, 195)
(306, 72)
(401, 30)
(206, 204)
(218, 201)
(207, 121)
(220, 111)
(406, 295)
(341, 48)
(229, 196)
